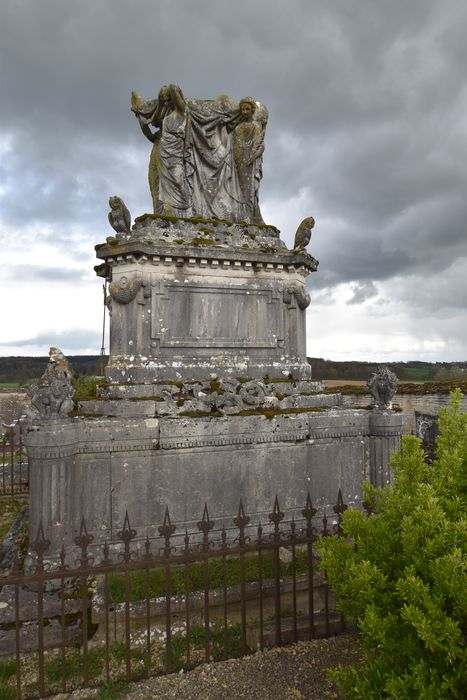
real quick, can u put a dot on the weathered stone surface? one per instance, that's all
(100, 468)
(52, 396)
(13, 404)
(408, 405)
(206, 156)
(192, 300)
(382, 386)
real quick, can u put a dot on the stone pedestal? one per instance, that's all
(198, 300)
(208, 395)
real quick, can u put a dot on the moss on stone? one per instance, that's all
(170, 382)
(271, 413)
(215, 385)
(200, 414)
(200, 241)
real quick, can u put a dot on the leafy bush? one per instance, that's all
(401, 573)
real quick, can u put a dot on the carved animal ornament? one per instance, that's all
(303, 234)
(124, 289)
(119, 216)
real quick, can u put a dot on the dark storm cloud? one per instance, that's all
(366, 118)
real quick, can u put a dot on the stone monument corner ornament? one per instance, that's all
(52, 395)
(383, 385)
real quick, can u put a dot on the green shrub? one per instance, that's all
(401, 573)
(85, 386)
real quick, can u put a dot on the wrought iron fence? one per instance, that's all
(126, 615)
(14, 468)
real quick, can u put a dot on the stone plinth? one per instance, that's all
(102, 467)
(198, 300)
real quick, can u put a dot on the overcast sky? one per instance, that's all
(367, 132)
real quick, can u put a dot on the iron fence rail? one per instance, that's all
(273, 565)
(14, 468)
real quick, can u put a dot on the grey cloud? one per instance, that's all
(41, 273)
(66, 340)
(366, 105)
(362, 292)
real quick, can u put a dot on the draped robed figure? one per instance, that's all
(206, 155)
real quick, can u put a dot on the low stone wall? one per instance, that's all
(12, 405)
(408, 403)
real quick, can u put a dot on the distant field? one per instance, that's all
(9, 385)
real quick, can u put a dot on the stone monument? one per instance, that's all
(208, 394)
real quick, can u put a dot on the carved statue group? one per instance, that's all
(207, 154)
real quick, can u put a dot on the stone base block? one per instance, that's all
(100, 468)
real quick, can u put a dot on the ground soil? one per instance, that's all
(295, 672)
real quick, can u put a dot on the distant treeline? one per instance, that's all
(405, 371)
(23, 369)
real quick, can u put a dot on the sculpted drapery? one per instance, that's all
(206, 156)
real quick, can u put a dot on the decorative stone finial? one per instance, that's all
(382, 386)
(52, 395)
(119, 216)
(303, 234)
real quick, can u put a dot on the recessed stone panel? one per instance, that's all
(200, 315)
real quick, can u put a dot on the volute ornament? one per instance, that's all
(124, 289)
(299, 292)
(252, 393)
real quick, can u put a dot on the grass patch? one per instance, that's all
(9, 385)
(9, 510)
(111, 691)
(72, 666)
(7, 692)
(223, 646)
(85, 386)
(7, 670)
(152, 583)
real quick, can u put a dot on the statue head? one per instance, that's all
(247, 106)
(164, 94)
